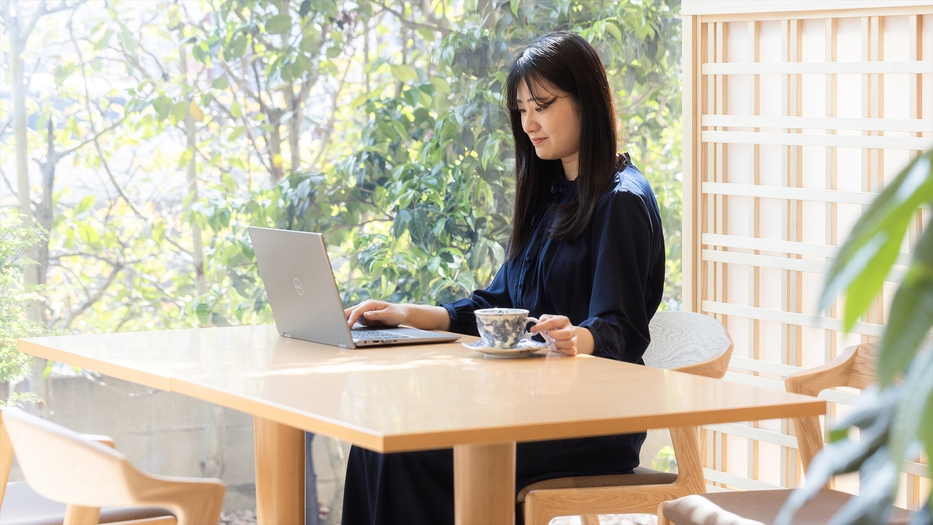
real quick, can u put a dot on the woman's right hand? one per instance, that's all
(380, 313)
(377, 313)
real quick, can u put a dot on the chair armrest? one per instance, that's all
(100, 438)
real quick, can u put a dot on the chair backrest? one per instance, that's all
(854, 367)
(6, 458)
(62, 466)
(688, 342)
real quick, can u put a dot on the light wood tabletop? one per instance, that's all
(404, 398)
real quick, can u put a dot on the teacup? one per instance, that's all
(502, 327)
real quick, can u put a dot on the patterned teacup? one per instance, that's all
(502, 327)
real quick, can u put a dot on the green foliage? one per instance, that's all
(665, 460)
(15, 298)
(416, 202)
(380, 125)
(894, 422)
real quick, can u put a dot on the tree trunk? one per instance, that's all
(19, 33)
(294, 129)
(18, 78)
(275, 144)
(197, 248)
(44, 211)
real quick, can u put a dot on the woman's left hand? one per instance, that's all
(563, 336)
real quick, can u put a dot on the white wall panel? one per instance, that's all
(793, 121)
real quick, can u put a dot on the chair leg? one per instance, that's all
(661, 519)
(75, 515)
(589, 519)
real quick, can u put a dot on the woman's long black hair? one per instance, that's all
(566, 62)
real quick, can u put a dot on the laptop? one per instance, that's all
(304, 298)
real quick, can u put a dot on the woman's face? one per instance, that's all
(553, 125)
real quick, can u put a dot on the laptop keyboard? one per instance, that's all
(376, 334)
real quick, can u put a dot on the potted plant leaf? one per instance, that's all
(896, 419)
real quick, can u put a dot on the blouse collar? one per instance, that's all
(562, 186)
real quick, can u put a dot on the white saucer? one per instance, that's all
(525, 347)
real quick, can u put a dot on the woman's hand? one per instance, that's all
(563, 336)
(377, 313)
(380, 313)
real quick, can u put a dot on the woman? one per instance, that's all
(586, 256)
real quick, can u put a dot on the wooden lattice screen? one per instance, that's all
(796, 113)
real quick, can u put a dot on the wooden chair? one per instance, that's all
(20, 505)
(680, 341)
(853, 368)
(63, 466)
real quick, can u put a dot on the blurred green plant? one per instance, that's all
(15, 300)
(895, 422)
(664, 460)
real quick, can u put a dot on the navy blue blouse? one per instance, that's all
(609, 280)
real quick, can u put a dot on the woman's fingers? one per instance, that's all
(550, 322)
(558, 332)
(367, 312)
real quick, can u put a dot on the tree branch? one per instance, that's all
(411, 24)
(241, 83)
(8, 185)
(95, 138)
(94, 296)
(329, 129)
(108, 129)
(249, 135)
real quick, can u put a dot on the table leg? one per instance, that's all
(280, 473)
(484, 484)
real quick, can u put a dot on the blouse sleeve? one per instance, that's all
(626, 245)
(462, 320)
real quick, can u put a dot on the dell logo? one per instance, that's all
(298, 288)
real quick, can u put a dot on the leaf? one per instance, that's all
(926, 436)
(873, 262)
(875, 412)
(878, 478)
(178, 112)
(228, 182)
(185, 158)
(103, 41)
(195, 111)
(162, 105)
(84, 205)
(862, 258)
(403, 72)
(917, 393)
(237, 132)
(304, 9)
(88, 234)
(237, 47)
(441, 85)
(203, 311)
(279, 23)
(613, 30)
(911, 313)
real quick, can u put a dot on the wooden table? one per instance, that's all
(417, 397)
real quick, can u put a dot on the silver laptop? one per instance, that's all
(303, 295)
